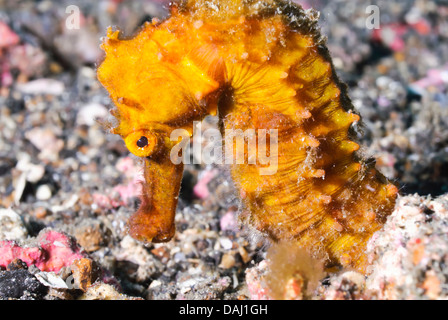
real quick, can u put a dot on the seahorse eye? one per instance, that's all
(141, 143)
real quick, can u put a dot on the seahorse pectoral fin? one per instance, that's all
(154, 220)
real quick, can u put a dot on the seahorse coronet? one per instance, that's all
(258, 65)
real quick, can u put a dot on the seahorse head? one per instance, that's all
(158, 81)
(154, 86)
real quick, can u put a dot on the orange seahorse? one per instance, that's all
(258, 65)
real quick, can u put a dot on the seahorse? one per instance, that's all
(257, 65)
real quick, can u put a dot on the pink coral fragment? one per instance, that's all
(122, 193)
(7, 36)
(200, 189)
(229, 221)
(255, 284)
(53, 251)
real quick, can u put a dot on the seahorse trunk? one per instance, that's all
(323, 194)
